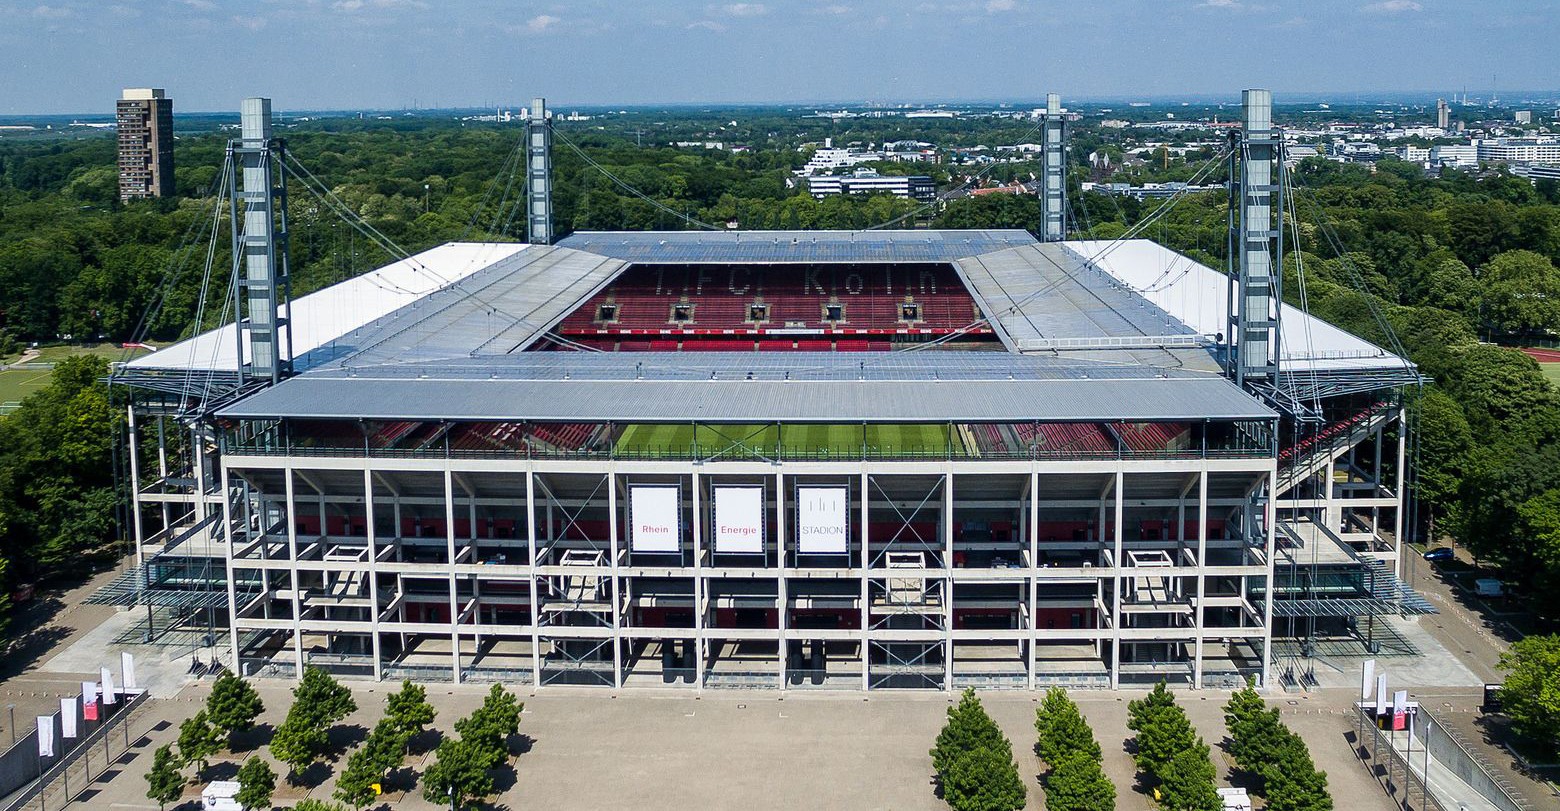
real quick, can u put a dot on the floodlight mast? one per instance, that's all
(1053, 170)
(259, 216)
(1256, 244)
(538, 145)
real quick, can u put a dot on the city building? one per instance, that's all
(828, 158)
(144, 117)
(867, 181)
(1443, 114)
(1455, 156)
(1544, 149)
(1523, 116)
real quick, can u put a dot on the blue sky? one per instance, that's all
(69, 56)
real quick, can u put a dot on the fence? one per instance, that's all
(45, 782)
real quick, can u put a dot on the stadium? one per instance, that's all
(861, 460)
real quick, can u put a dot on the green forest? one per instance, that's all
(1458, 268)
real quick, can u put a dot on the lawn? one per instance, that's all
(16, 384)
(1551, 371)
(810, 440)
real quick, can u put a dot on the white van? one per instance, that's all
(220, 796)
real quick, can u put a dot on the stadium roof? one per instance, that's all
(754, 387)
(793, 247)
(1042, 298)
(463, 313)
(1196, 296)
(321, 318)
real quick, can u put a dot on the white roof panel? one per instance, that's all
(1198, 296)
(326, 315)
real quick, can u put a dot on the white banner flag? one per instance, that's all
(68, 717)
(45, 736)
(655, 518)
(822, 520)
(108, 687)
(127, 671)
(89, 700)
(1367, 678)
(1381, 695)
(738, 520)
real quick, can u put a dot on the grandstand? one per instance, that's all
(465, 486)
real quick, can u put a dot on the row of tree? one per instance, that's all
(1076, 780)
(1276, 758)
(461, 773)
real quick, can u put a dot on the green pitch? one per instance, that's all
(17, 384)
(806, 440)
(1551, 371)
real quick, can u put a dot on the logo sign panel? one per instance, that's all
(822, 520)
(655, 518)
(738, 519)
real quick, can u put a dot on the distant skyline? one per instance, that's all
(74, 56)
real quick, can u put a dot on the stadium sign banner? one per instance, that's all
(738, 519)
(822, 524)
(655, 518)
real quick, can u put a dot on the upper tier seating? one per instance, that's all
(842, 300)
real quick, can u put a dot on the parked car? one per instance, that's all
(1440, 553)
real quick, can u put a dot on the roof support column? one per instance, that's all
(1053, 170)
(538, 174)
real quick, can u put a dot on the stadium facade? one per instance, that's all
(794, 460)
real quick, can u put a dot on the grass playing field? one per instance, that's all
(16, 384)
(1551, 371)
(810, 440)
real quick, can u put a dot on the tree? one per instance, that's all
(1063, 732)
(409, 708)
(233, 705)
(381, 752)
(968, 727)
(983, 779)
(322, 698)
(1256, 733)
(1530, 695)
(1186, 781)
(458, 776)
(1292, 780)
(198, 741)
(1077, 783)
(164, 783)
(296, 743)
(256, 783)
(312, 804)
(489, 727)
(1520, 293)
(1162, 729)
(1444, 442)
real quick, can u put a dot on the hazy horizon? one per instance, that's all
(73, 56)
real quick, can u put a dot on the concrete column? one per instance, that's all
(1199, 620)
(232, 579)
(135, 488)
(613, 548)
(700, 585)
(530, 541)
(947, 581)
(292, 571)
(782, 589)
(1034, 574)
(1115, 601)
(866, 603)
(449, 545)
(1267, 605)
(373, 570)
